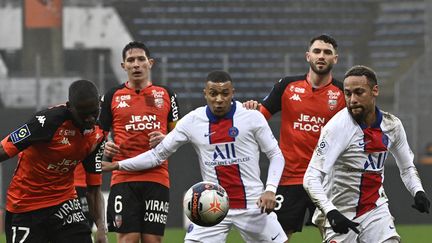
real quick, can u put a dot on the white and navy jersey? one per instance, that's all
(228, 149)
(352, 157)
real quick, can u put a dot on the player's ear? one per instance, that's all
(375, 90)
(307, 56)
(122, 65)
(151, 62)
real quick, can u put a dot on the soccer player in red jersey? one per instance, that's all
(306, 102)
(139, 114)
(41, 203)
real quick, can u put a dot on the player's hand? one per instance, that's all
(267, 202)
(341, 224)
(111, 149)
(109, 166)
(251, 105)
(101, 236)
(421, 202)
(155, 138)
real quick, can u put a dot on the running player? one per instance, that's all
(346, 173)
(41, 203)
(227, 138)
(138, 113)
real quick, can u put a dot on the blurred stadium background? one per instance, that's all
(46, 44)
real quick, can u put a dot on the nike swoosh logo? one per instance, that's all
(209, 134)
(363, 143)
(273, 238)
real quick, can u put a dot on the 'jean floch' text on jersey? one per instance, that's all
(352, 157)
(144, 122)
(304, 111)
(131, 115)
(228, 149)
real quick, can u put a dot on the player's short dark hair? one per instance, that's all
(82, 90)
(137, 45)
(218, 76)
(360, 70)
(326, 38)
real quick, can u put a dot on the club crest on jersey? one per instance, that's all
(233, 132)
(332, 104)
(20, 134)
(333, 95)
(118, 220)
(158, 98)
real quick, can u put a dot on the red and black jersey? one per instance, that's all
(131, 115)
(83, 178)
(304, 111)
(50, 146)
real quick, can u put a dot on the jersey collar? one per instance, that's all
(229, 115)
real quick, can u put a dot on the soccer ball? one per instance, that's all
(206, 203)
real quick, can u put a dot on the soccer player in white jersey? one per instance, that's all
(345, 175)
(227, 139)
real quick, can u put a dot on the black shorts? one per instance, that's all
(138, 207)
(62, 223)
(81, 192)
(292, 202)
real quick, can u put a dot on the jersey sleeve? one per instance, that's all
(93, 162)
(400, 148)
(405, 160)
(180, 135)
(174, 113)
(93, 179)
(105, 117)
(40, 128)
(263, 134)
(334, 139)
(273, 101)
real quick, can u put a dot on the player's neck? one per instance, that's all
(318, 80)
(370, 119)
(138, 84)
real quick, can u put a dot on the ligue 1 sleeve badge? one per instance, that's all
(233, 132)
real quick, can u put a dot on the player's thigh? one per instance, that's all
(255, 226)
(378, 226)
(138, 207)
(292, 202)
(20, 227)
(82, 196)
(213, 234)
(331, 237)
(67, 223)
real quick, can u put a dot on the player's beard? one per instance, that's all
(321, 71)
(358, 117)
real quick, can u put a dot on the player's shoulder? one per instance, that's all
(164, 87)
(390, 121)
(194, 116)
(110, 93)
(337, 84)
(251, 114)
(291, 79)
(53, 115)
(341, 120)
